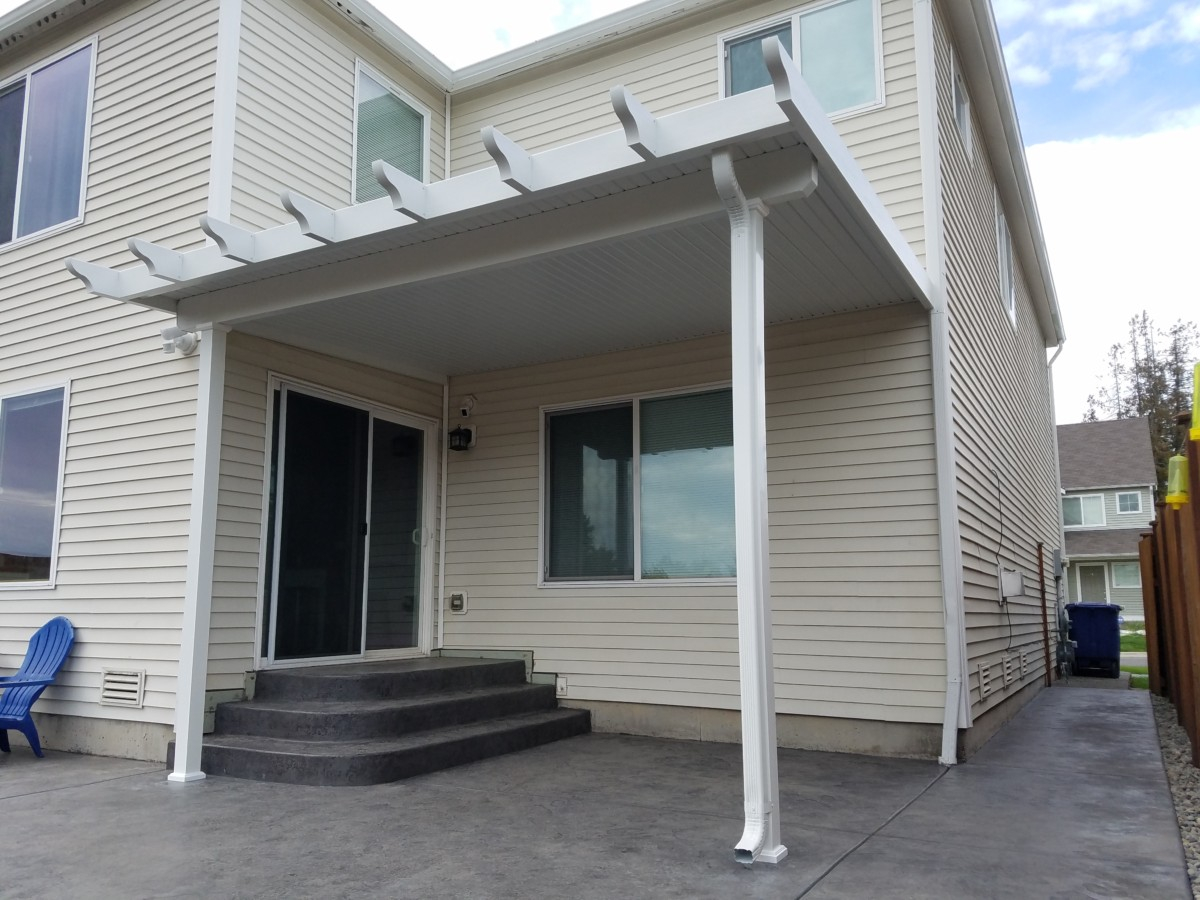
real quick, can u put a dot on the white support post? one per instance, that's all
(197, 592)
(761, 838)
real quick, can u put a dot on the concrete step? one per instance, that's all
(346, 720)
(361, 762)
(386, 680)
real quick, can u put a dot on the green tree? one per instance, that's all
(1150, 375)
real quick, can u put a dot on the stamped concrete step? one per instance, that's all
(361, 762)
(342, 720)
(386, 680)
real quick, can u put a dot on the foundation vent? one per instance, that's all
(1009, 666)
(1024, 663)
(122, 687)
(985, 680)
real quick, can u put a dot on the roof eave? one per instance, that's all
(974, 26)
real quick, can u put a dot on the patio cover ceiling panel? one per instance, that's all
(617, 241)
(647, 289)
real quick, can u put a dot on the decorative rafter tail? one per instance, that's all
(408, 195)
(234, 242)
(785, 76)
(641, 127)
(99, 279)
(161, 262)
(316, 220)
(513, 162)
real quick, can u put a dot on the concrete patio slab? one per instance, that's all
(606, 816)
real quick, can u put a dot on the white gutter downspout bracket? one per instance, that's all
(761, 837)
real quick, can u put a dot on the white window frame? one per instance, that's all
(1137, 495)
(961, 101)
(361, 68)
(93, 42)
(1113, 574)
(793, 17)
(1081, 497)
(65, 387)
(636, 475)
(277, 381)
(1006, 264)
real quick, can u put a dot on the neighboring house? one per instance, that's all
(545, 257)
(1107, 472)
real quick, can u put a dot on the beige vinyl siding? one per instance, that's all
(858, 616)
(676, 66)
(295, 118)
(1003, 429)
(128, 471)
(246, 420)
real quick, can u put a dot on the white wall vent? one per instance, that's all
(1009, 670)
(122, 687)
(985, 680)
(1024, 663)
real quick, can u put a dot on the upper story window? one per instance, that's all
(1004, 250)
(31, 455)
(44, 115)
(962, 107)
(388, 125)
(1129, 502)
(1084, 510)
(837, 46)
(641, 489)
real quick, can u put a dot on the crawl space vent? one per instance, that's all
(985, 680)
(122, 687)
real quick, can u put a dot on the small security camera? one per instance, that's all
(464, 411)
(465, 405)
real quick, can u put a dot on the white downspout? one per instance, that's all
(445, 444)
(761, 837)
(202, 539)
(956, 712)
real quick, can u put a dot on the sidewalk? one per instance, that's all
(1068, 800)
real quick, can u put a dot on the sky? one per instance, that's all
(1108, 97)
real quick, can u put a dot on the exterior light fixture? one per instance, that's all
(177, 339)
(462, 437)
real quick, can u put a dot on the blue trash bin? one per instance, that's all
(1096, 631)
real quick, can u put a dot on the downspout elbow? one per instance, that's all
(750, 846)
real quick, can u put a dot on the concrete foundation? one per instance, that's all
(874, 738)
(102, 737)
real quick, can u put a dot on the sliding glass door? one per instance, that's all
(348, 537)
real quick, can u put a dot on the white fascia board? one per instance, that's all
(28, 15)
(981, 58)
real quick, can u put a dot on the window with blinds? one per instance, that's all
(388, 128)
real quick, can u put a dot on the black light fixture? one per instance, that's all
(462, 437)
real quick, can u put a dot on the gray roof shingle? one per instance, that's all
(1115, 453)
(1104, 542)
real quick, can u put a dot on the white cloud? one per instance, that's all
(1090, 13)
(1118, 215)
(484, 28)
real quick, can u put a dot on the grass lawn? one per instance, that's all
(1133, 642)
(1139, 676)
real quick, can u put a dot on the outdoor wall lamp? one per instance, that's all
(462, 437)
(178, 339)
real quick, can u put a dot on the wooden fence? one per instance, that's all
(1170, 560)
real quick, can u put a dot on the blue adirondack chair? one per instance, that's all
(48, 649)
